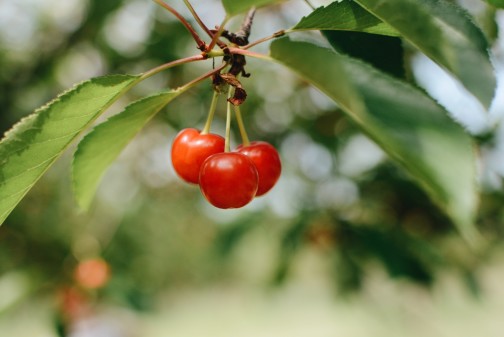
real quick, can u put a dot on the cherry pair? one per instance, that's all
(226, 179)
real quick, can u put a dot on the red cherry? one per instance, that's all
(92, 273)
(190, 149)
(267, 161)
(228, 180)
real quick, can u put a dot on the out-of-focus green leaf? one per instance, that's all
(345, 15)
(106, 141)
(496, 3)
(234, 7)
(292, 242)
(229, 237)
(35, 143)
(414, 130)
(445, 33)
(488, 23)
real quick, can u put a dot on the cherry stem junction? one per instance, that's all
(216, 36)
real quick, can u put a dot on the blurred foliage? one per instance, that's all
(158, 235)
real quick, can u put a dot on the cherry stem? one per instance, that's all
(227, 145)
(215, 37)
(245, 52)
(197, 18)
(171, 64)
(241, 126)
(201, 78)
(199, 42)
(264, 39)
(211, 113)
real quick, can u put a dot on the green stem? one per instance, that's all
(168, 65)
(211, 113)
(241, 51)
(227, 142)
(215, 53)
(241, 126)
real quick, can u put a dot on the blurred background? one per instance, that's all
(344, 245)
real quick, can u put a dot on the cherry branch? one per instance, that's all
(245, 52)
(209, 32)
(199, 42)
(168, 65)
(202, 77)
(264, 39)
(215, 37)
(246, 26)
(197, 18)
(240, 38)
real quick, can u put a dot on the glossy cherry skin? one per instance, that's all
(190, 149)
(228, 180)
(267, 161)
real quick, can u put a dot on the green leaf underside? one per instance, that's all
(234, 7)
(345, 15)
(34, 144)
(385, 53)
(446, 34)
(104, 143)
(407, 124)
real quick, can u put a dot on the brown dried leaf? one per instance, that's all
(240, 94)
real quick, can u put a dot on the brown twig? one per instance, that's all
(199, 42)
(210, 33)
(216, 35)
(240, 38)
(197, 18)
(246, 26)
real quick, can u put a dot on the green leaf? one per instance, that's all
(345, 15)
(414, 130)
(104, 143)
(35, 143)
(234, 7)
(385, 53)
(445, 33)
